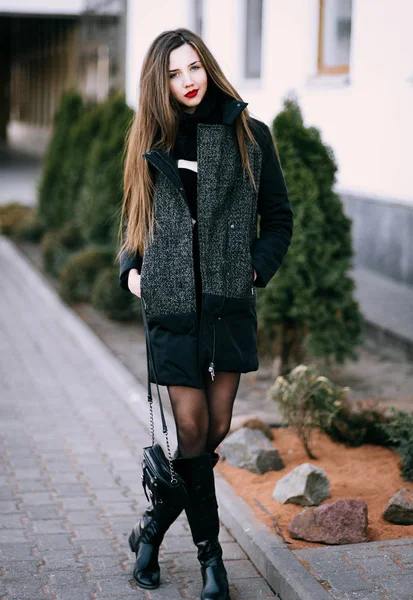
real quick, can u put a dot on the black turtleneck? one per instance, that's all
(208, 111)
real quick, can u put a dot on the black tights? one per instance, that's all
(203, 416)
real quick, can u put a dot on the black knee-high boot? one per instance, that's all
(202, 513)
(145, 540)
(147, 536)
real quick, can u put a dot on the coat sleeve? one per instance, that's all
(127, 262)
(276, 223)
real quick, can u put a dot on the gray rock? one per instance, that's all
(306, 485)
(250, 449)
(252, 422)
(400, 508)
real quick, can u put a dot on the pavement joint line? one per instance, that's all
(284, 573)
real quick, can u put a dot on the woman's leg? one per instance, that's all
(191, 419)
(190, 410)
(221, 395)
(202, 421)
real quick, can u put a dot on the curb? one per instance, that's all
(286, 575)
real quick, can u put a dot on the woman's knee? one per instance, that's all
(192, 437)
(218, 430)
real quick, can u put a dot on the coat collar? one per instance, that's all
(161, 159)
(231, 109)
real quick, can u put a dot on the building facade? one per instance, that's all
(349, 62)
(49, 47)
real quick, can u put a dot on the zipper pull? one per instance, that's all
(211, 370)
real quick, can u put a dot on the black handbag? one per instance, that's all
(160, 481)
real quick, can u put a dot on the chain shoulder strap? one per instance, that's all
(149, 357)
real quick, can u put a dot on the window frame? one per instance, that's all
(321, 68)
(198, 17)
(247, 78)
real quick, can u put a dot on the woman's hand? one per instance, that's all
(134, 282)
(255, 275)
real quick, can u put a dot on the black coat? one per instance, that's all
(224, 338)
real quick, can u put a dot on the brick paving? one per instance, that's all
(70, 487)
(369, 571)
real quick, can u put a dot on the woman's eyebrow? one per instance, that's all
(192, 63)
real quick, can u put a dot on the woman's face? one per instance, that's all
(187, 74)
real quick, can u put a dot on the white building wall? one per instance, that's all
(367, 116)
(145, 20)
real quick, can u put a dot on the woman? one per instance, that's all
(198, 172)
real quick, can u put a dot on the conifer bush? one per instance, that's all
(400, 433)
(360, 422)
(54, 255)
(99, 205)
(58, 246)
(307, 310)
(78, 276)
(54, 208)
(70, 236)
(31, 229)
(79, 143)
(110, 299)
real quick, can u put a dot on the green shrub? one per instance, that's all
(360, 423)
(58, 246)
(71, 236)
(79, 143)
(78, 276)
(54, 255)
(31, 229)
(13, 216)
(110, 299)
(98, 208)
(308, 309)
(400, 433)
(53, 207)
(306, 401)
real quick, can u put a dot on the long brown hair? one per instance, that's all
(159, 111)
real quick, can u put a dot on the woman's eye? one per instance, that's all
(196, 67)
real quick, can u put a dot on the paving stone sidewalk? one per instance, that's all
(370, 571)
(70, 449)
(19, 176)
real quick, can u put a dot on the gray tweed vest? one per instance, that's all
(227, 227)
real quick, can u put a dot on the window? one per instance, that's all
(198, 17)
(334, 36)
(253, 38)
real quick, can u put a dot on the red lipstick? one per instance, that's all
(191, 94)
